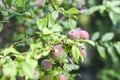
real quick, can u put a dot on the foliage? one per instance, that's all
(107, 43)
(109, 53)
(29, 30)
(38, 28)
(112, 8)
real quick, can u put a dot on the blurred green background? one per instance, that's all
(101, 18)
(103, 23)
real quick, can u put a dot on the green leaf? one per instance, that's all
(1, 27)
(112, 53)
(108, 36)
(30, 31)
(4, 13)
(32, 13)
(10, 69)
(116, 9)
(2, 61)
(28, 68)
(95, 36)
(59, 2)
(115, 18)
(10, 50)
(18, 36)
(90, 42)
(55, 15)
(57, 28)
(115, 3)
(13, 78)
(75, 53)
(41, 23)
(117, 47)
(45, 53)
(70, 42)
(33, 47)
(81, 57)
(93, 9)
(19, 3)
(72, 23)
(72, 11)
(2, 5)
(50, 21)
(101, 51)
(70, 67)
(30, 61)
(26, 2)
(9, 2)
(47, 31)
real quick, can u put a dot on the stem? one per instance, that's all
(70, 60)
(23, 40)
(19, 41)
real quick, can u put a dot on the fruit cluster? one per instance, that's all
(57, 52)
(79, 34)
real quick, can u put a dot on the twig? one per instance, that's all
(23, 40)
(70, 60)
(19, 41)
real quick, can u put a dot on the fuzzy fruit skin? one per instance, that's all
(13, 7)
(38, 3)
(84, 35)
(83, 52)
(63, 77)
(36, 73)
(57, 52)
(74, 34)
(46, 65)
